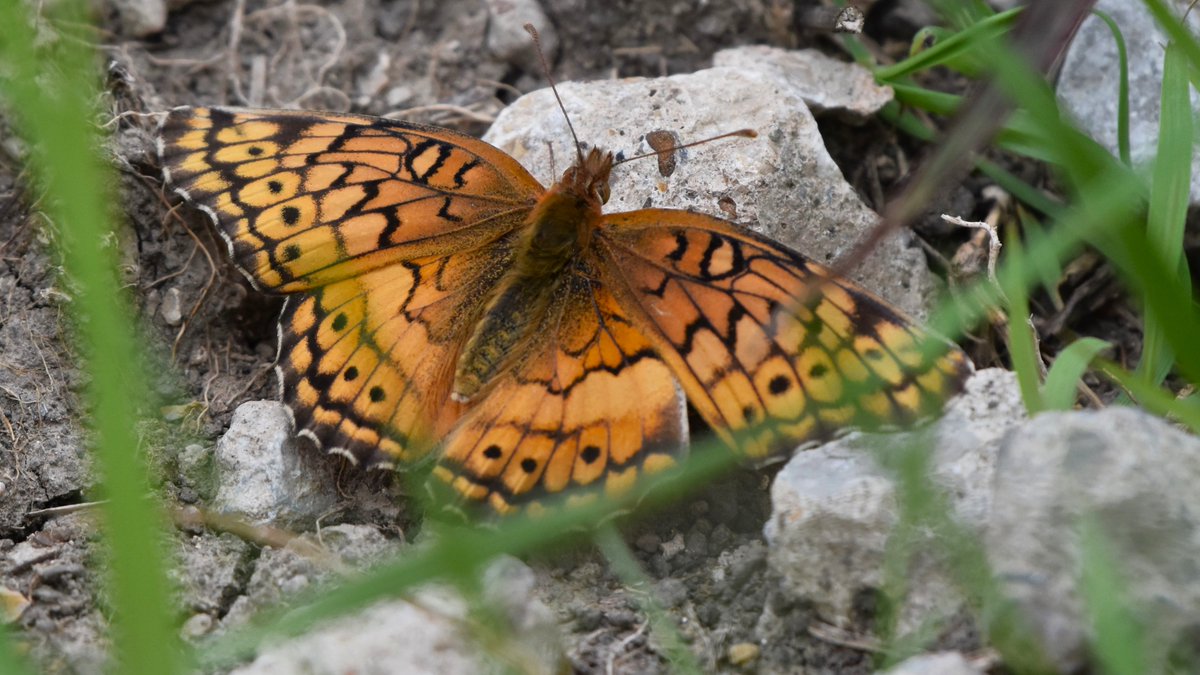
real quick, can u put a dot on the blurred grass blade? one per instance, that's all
(1022, 344)
(11, 663)
(1152, 397)
(1122, 88)
(1058, 393)
(50, 90)
(1118, 640)
(1178, 34)
(950, 48)
(622, 562)
(1114, 207)
(924, 507)
(1170, 193)
(455, 553)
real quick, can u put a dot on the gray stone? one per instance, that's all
(1131, 474)
(428, 634)
(506, 35)
(783, 183)
(941, 663)
(826, 84)
(1088, 84)
(834, 507)
(210, 571)
(171, 308)
(310, 558)
(140, 18)
(262, 475)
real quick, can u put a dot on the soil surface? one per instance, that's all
(209, 341)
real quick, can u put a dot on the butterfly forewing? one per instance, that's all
(728, 311)
(367, 363)
(307, 199)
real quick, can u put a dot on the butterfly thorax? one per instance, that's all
(556, 233)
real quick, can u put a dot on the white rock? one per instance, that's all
(942, 663)
(260, 471)
(825, 83)
(139, 18)
(430, 634)
(1132, 474)
(506, 35)
(834, 507)
(1088, 84)
(171, 308)
(783, 183)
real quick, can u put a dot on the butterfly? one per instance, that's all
(442, 303)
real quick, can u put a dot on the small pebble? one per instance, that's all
(197, 625)
(742, 653)
(171, 308)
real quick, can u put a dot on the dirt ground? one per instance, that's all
(209, 340)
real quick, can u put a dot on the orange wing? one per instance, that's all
(768, 372)
(367, 363)
(393, 231)
(307, 199)
(591, 405)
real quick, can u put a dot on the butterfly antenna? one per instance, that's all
(537, 45)
(742, 133)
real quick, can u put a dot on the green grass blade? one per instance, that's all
(1058, 393)
(457, 553)
(1177, 33)
(1022, 344)
(621, 560)
(11, 663)
(952, 47)
(1118, 640)
(923, 506)
(50, 91)
(1113, 208)
(1169, 198)
(1122, 88)
(1152, 397)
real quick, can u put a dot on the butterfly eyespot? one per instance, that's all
(274, 186)
(779, 384)
(493, 452)
(254, 151)
(749, 413)
(590, 454)
(376, 394)
(291, 252)
(339, 322)
(290, 215)
(529, 465)
(818, 370)
(351, 374)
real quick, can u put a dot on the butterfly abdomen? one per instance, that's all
(556, 232)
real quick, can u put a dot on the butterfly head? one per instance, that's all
(588, 177)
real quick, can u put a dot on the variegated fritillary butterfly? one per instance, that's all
(442, 300)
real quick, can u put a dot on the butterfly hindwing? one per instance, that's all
(729, 312)
(589, 406)
(306, 199)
